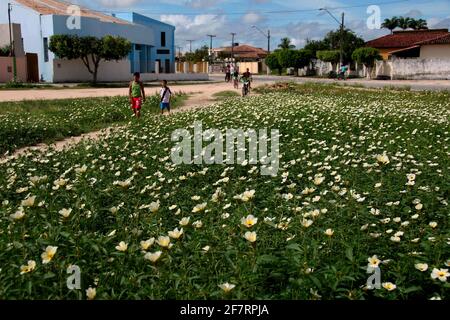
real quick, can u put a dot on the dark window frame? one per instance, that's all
(45, 43)
(163, 39)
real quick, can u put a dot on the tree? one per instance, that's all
(286, 44)
(90, 50)
(332, 56)
(351, 43)
(367, 56)
(272, 62)
(390, 24)
(419, 24)
(315, 45)
(201, 54)
(404, 23)
(5, 51)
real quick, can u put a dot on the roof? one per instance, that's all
(405, 39)
(58, 7)
(438, 40)
(244, 51)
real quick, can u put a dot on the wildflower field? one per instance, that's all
(363, 184)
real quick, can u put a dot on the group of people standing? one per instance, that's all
(232, 73)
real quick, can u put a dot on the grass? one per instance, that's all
(363, 178)
(28, 123)
(225, 94)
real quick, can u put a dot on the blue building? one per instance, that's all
(153, 49)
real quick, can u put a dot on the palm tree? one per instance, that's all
(404, 23)
(286, 44)
(419, 24)
(390, 24)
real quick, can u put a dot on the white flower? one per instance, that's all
(227, 287)
(184, 221)
(154, 206)
(249, 221)
(48, 254)
(389, 286)
(65, 212)
(199, 208)
(206, 248)
(163, 241)
(433, 224)
(19, 214)
(175, 234)
(382, 158)
(374, 262)
(307, 223)
(30, 266)
(250, 236)
(329, 232)
(421, 266)
(91, 293)
(147, 243)
(197, 224)
(28, 202)
(153, 257)
(441, 274)
(122, 246)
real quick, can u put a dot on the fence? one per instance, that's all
(190, 67)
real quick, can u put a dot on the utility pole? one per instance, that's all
(232, 46)
(190, 45)
(265, 35)
(341, 32)
(11, 44)
(211, 36)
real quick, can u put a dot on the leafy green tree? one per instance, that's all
(419, 24)
(332, 56)
(367, 56)
(315, 45)
(390, 24)
(404, 22)
(272, 61)
(351, 43)
(286, 44)
(90, 50)
(201, 54)
(5, 51)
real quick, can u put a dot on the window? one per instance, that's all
(46, 49)
(163, 39)
(163, 51)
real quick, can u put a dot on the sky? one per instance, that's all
(297, 19)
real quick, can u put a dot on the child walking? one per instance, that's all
(137, 94)
(166, 96)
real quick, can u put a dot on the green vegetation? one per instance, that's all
(362, 183)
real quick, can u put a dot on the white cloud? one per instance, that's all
(252, 18)
(199, 4)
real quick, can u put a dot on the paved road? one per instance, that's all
(416, 85)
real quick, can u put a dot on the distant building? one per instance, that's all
(241, 53)
(432, 43)
(153, 41)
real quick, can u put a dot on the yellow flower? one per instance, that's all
(147, 243)
(421, 266)
(389, 286)
(329, 232)
(185, 221)
(28, 202)
(200, 207)
(175, 233)
(163, 241)
(65, 212)
(227, 287)
(307, 223)
(383, 158)
(48, 254)
(153, 257)
(19, 214)
(441, 274)
(249, 221)
(91, 293)
(373, 261)
(250, 236)
(31, 265)
(122, 246)
(318, 180)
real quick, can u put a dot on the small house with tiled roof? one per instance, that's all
(426, 44)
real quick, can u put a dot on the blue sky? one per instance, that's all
(194, 19)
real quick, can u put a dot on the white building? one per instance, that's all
(153, 41)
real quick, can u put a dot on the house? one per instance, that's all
(426, 44)
(241, 53)
(152, 41)
(421, 54)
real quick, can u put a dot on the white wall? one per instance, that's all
(440, 51)
(112, 71)
(415, 69)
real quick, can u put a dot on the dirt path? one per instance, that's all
(199, 96)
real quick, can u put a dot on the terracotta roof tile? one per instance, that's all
(56, 7)
(404, 39)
